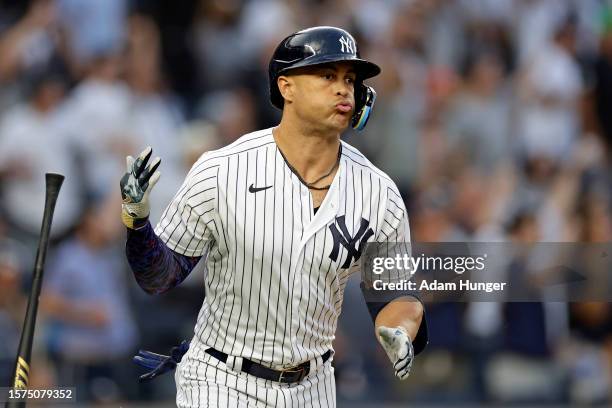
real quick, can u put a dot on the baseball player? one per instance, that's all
(279, 219)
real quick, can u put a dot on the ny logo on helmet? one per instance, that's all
(347, 45)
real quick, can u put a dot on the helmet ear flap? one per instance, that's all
(275, 96)
(365, 96)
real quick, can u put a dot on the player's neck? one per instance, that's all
(310, 154)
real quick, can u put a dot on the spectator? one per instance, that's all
(603, 82)
(550, 92)
(32, 143)
(90, 325)
(154, 118)
(12, 305)
(524, 371)
(27, 47)
(231, 111)
(479, 118)
(220, 50)
(96, 120)
(93, 26)
(590, 363)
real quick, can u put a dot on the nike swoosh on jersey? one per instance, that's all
(253, 189)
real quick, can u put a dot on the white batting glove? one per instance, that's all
(136, 185)
(398, 346)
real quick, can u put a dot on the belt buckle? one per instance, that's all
(300, 370)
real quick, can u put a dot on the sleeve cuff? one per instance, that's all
(375, 305)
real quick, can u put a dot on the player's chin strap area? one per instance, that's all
(361, 116)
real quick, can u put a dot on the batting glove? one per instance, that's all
(158, 363)
(136, 185)
(398, 346)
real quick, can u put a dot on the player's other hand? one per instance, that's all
(398, 346)
(136, 185)
(159, 364)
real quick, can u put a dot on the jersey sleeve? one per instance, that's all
(186, 226)
(393, 239)
(395, 226)
(394, 235)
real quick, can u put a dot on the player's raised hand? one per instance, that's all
(136, 185)
(398, 346)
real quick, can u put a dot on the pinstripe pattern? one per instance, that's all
(273, 291)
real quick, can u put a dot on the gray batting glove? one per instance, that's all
(136, 185)
(398, 346)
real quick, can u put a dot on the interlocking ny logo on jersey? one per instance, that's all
(349, 243)
(347, 45)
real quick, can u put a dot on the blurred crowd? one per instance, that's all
(494, 117)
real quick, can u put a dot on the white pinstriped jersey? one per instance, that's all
(276, 272)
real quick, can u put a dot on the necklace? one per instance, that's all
(311, 185)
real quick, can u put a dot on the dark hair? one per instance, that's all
(55, 71)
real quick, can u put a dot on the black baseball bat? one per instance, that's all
(22, 365)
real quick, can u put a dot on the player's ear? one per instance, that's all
(286, 87)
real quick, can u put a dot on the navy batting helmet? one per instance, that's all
(320, 45)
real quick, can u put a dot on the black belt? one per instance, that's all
(291, 375)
